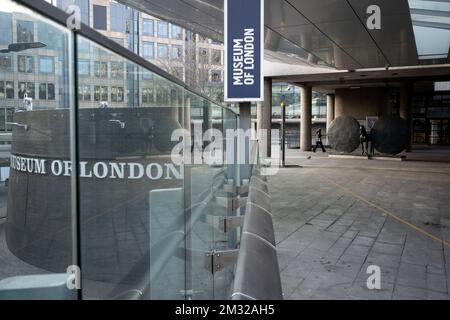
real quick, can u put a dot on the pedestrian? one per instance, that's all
(319, 141)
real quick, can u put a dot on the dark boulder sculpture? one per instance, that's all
(391, 135)
(343, 134)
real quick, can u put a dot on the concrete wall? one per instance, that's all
(362, 102)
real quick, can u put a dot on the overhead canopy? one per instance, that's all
(327, 32)
(431, 23)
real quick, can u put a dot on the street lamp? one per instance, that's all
(18, 47)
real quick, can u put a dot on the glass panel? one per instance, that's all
(100, 18)
(147, 48)
(147, 27)
(46, 64)
(25, 64)
(36, 236)
(177, 32)
(136, 197)
(163, 51)
(2, 120)
(163, 29)
(6, 62)
(119, 14)
(431, 23)
(5, 28)
(25, 31)
(177, 52)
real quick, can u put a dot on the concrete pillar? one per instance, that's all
(306, 118)
(330, 109)
(264, 119)
(406, 92)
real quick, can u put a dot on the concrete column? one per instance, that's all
(264, 119)
(306, 115)
(330, 109)
(406, 92)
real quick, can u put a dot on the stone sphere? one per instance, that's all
(343, 134)
(391, 135)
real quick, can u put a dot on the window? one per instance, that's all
(163, 29)
(147, 49)
(43, 91)
(50, 91)
(177, 52)
(216, 76)
(147, 75)
(84, 67)
(6, 90)
(147, 95)
(84, 93)
(442, 86)
(9, 88)
(100, 19)
(163, 51)
(100, 93)
(5, 28)
(162, 95)
(177, 32)
(119, 15)
(46, 91)
(26, 87)
(203, 56)
(100, 69)
(117, 94)
(216, 58)
(147, 27)
(25, 64)
(46, 64)
(117, 70)
(203, 76)
(2, 90)
(9, 118)
(6, 62)
(25, 31)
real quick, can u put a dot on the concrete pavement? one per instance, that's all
(333, 218)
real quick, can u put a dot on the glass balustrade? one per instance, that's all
(114, 167)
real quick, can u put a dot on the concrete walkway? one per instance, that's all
(333, 218)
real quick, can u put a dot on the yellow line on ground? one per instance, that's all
(388, 213)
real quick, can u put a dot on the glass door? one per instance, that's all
(439, 132)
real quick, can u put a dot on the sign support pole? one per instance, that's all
(283, 134)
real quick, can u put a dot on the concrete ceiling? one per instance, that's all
(325, 32)
(372, 78)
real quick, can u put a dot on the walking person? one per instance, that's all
(319, 141)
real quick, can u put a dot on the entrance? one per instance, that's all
(439, 133)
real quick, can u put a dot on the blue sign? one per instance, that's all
(244, 50)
